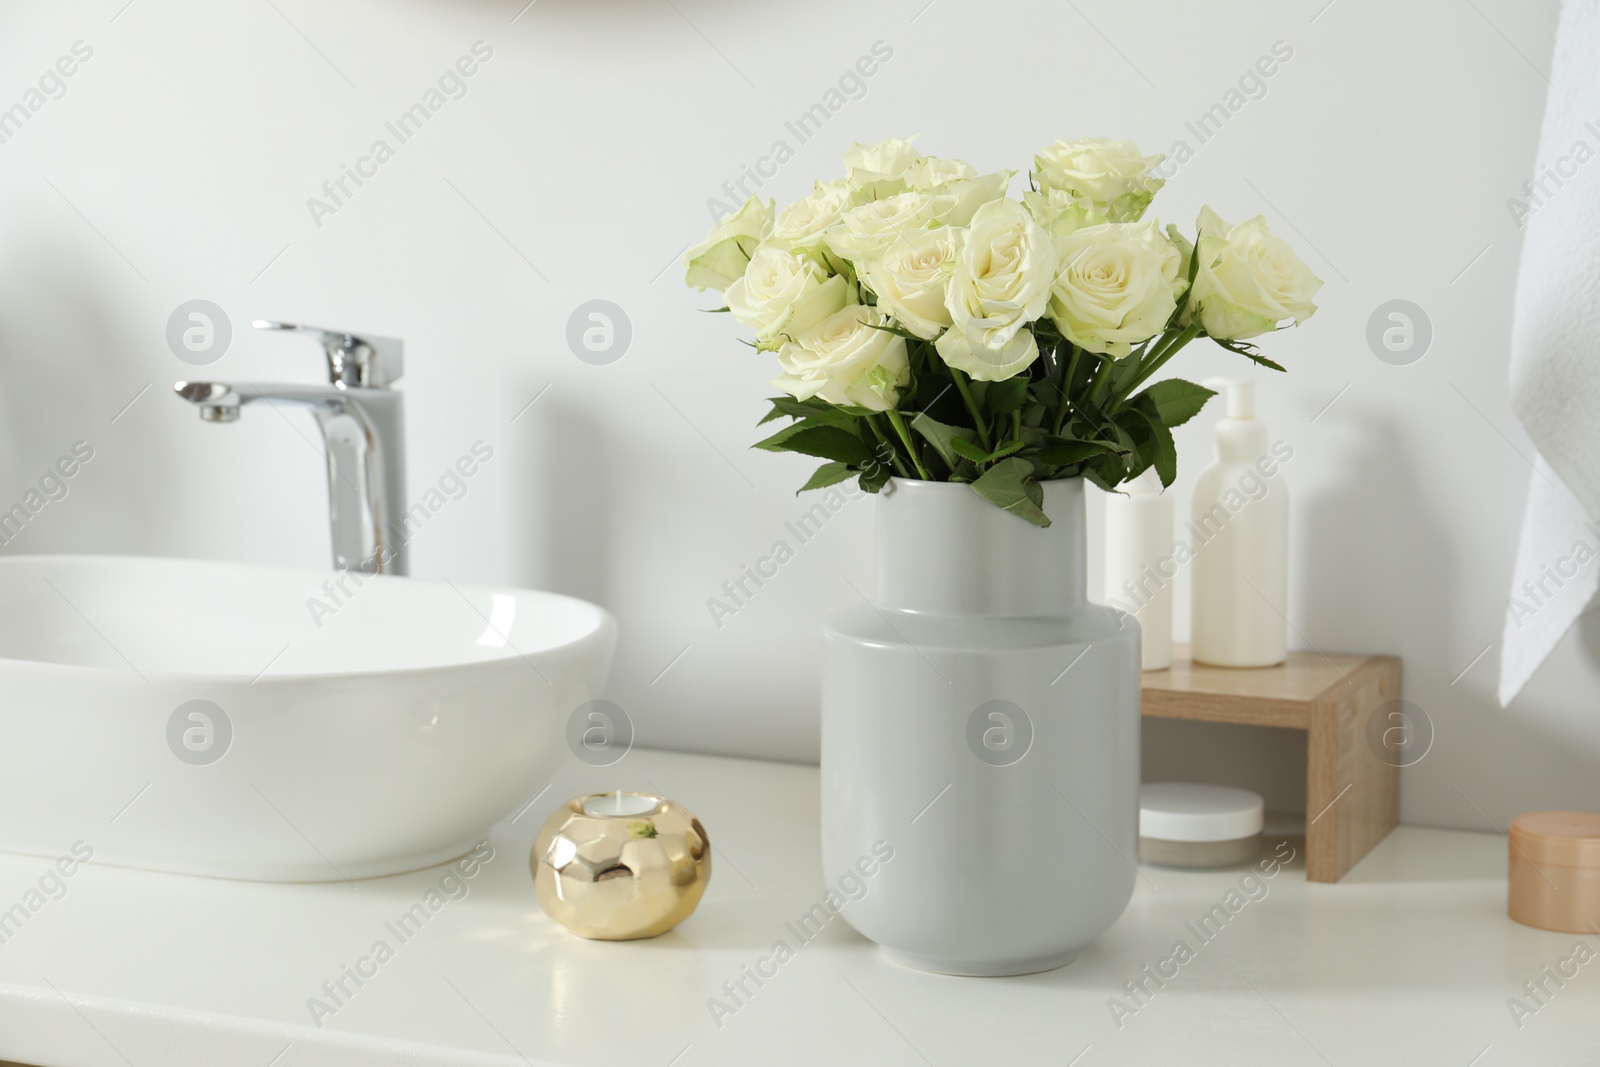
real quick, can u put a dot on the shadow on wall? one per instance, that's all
(65, 374)
(1376, 573)
(1385, 580)
(564, 511)
(1587, 628)
(1379, 577)
(1549, 732)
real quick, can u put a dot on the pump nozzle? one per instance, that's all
(1240, 394)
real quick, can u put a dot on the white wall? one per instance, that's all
(578, 166)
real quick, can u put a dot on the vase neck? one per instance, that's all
(943, 549)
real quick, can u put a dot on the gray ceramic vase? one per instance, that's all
(981, 720)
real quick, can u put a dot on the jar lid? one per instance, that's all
(1190, 811)
(1564, 838)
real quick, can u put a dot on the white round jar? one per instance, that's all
(1189, 824)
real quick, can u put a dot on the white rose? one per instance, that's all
(970, 194)
(1116, 286)
(719, 260)
(958, 179)
(847, 360)
(782, 294)
(1060, 212)
(911, 276)
(1111, 174)
(802, 223)
(930, 171)
(984, 364)
(1000, 284)
(862, 233)
(879, 169)
(1249, 280)
(1185, 254)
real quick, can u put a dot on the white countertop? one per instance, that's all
(1409, 960)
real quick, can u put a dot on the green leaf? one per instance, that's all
(875, 477)
(775, 443)
(824, 442)
(1099, 478)
(1166, 461)
(1010, 485)
(1176, 401)
(1062, 451)
(966, 449)
(1006, 396)
(778, 442)
(826, 475)
(898, 331)
(1154, 446)
(1133, 428)
(941, 436)
(1076, 452)
(1256, 357)
(1074, 439)
(821, 410)
(1252, 353)
(807, 419)
(1004, 450)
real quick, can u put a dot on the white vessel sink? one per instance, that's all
(379, 736)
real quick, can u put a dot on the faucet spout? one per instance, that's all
(363, 435)
(217, 402)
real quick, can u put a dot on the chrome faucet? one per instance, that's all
(363, 432)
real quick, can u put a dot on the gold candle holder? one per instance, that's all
(619, 866)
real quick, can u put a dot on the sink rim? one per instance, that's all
(604, 622)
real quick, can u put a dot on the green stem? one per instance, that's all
(899, 425)
(1016, 425)
(1166, 338)
(894, 453)
(972, 408)
(1100, 376)
(1164, 353)
(1160, 347)
(1066, 386)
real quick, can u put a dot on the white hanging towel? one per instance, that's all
(1555, 356)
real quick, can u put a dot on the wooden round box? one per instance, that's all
(1555, 871)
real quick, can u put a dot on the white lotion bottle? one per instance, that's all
(1239, 532)
(1139, 538)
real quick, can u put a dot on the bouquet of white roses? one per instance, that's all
(928, 326)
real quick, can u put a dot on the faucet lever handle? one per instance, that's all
(353, 359)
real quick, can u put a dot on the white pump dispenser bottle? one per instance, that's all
(1240, 527)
